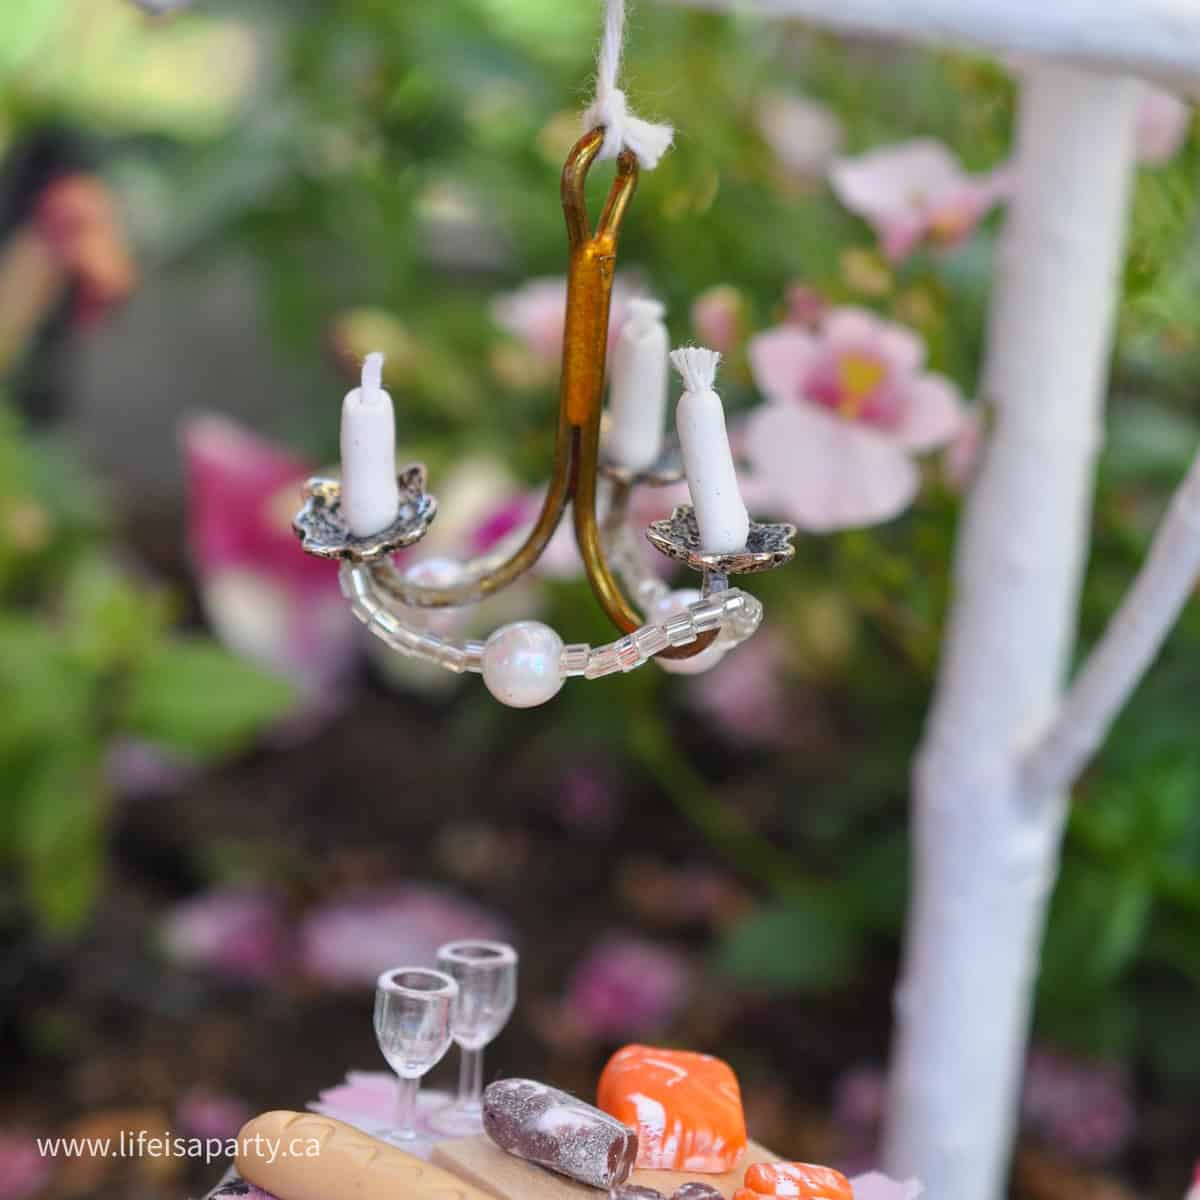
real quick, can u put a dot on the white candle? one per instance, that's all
(637, 396)
(707, 459)
(370, 497)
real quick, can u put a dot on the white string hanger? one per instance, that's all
(623, 130)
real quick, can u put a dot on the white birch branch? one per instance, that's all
(984, 859)
(1155, 39)
(1125, 651)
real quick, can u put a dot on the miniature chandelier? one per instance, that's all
(372, 513)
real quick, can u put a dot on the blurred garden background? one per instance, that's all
(222, 812)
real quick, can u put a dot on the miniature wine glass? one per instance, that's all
(486, 973)
(414, 1009)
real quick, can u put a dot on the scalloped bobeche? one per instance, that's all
(323, 531)
(767, 545)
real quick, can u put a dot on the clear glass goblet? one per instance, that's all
(414, 1012)
(486, 973)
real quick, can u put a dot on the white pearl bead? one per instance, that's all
(522, 664)
(670, 605)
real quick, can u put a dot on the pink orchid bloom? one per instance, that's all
(535, 314)
(875, 1186)
(626, 988)
(744, 695)
(1163, 122)
(265, 599)
(718, 316)
(240, 933)
(23, 1170)
(347, 941)
(848, 407)
(803, 134)
(916, 191)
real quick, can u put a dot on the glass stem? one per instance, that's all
(406, 1107)
(470, 1078)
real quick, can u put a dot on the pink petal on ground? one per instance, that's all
(207, 1114)
(879, 1187)
(1162, 127)
(240, 933)
(367, 1099)
(626, 988)
(825, 473)
(933, 415)
(348, 941)
(780, 359)
(23, 1170)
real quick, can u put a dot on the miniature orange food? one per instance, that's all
(796, 1181)
(686, 1108)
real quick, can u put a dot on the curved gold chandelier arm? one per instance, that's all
(592, 266)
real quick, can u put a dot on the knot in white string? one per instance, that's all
(622, 129)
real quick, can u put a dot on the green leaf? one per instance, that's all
(62, 808)
(194, 696)
(1098, 920)
(47, 699)
(111, 620)
(806, 942)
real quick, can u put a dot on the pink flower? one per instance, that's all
(1082, 1108)
(535, 314)
(206, 1114)
(744, 695)
(347, 942)
(848, 407)
(803, 134)
(367, 1100)
(265, 599)
(879, 1187)
(916, 191)
(806, 306)
(718, 317)
(23, 1170)
(1163, 122)
(626, 988)
(586, 802)
(859, 1101)
(240, 933)
(960, 459)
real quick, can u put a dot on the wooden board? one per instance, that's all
(479, 1161)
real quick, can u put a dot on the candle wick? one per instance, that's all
(372, 376)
